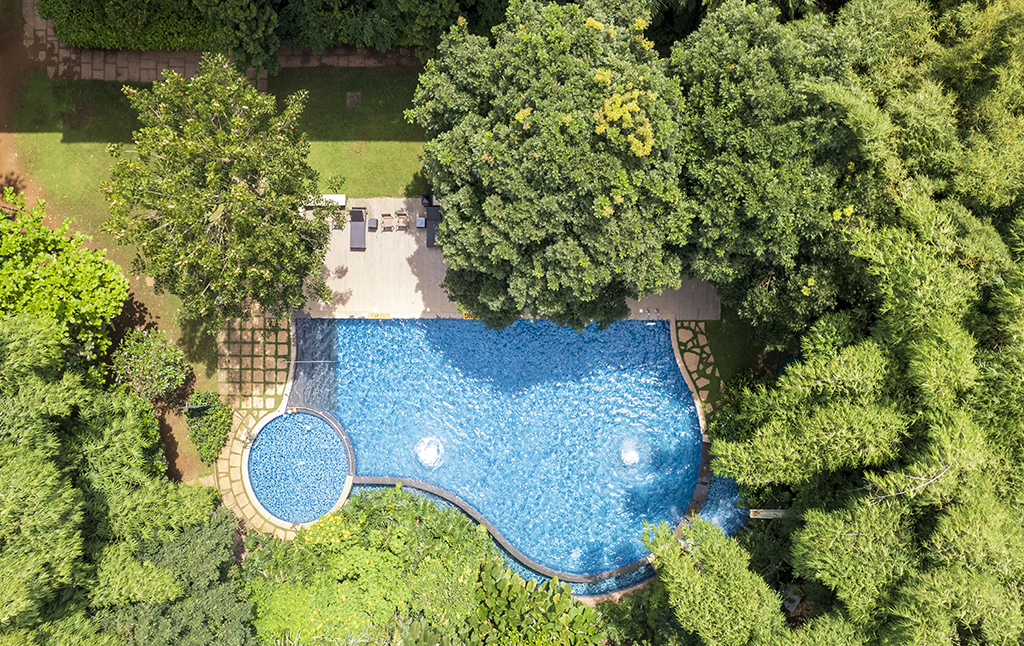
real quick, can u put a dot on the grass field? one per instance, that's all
(370, 145)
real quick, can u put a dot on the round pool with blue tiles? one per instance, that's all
(297, 467)
(567, 442)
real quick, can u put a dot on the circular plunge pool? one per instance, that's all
(297, 466)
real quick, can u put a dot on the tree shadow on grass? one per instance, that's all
(134, 316)
(419, 185)
(199, 343)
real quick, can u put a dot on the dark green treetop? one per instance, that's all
(555, 154)
(211, 196)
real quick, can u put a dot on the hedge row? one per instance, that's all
(252, 30)
(129, 24)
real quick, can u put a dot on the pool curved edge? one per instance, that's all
(700, 490)
(697, 499)
(470, 511)
(349, 453)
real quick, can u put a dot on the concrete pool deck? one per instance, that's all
(398, 276)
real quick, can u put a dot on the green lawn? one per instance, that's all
(371, 146)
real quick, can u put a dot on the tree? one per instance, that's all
(206, 607)
(212, 196)
(49, 273)
(40, 511)
(149, 364)
(554, 152)
(763, 165)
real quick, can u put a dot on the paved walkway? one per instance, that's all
(65, 62)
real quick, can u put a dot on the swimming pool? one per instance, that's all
(567, 442)
(297, 466)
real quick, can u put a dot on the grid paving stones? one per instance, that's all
(260, 342)
(40, 37)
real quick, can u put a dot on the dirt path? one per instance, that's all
(15, 63)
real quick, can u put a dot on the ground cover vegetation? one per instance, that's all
(391, 568)
(369, 145)
(149, 364)
(212, 196)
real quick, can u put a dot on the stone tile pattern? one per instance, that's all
(252, 380)
(696, 355)
(64, 62)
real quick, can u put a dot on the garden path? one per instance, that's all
(66, 62)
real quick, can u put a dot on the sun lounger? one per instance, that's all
(403, 220)
(357, 230)
(433, 220)
(385, 222)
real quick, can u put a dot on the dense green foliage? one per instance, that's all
(49, 273)
(389, 564)
(764, 161)
(208, 427)
(252, 30)
(510, 610)
(203, 606)
(896, 439)
(211, 197)
(384, 553)
(82, 488)
(129, 24)
(555, 151)
(149, 363)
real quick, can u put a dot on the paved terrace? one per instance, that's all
(398, 276)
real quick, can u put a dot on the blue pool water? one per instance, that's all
(297, 467)
(567, 442)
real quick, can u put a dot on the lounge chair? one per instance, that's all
(403, 220)
(433, 220)
(357, 230)
(385, 222)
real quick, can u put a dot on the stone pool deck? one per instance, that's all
(398, 276)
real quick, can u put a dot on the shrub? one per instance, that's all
(513, 611)
(208, 427)
(149, 363)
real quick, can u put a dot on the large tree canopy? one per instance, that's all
(555, 153)
(897, 440)
(212, 196)
(763, 166)
(82, 488)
